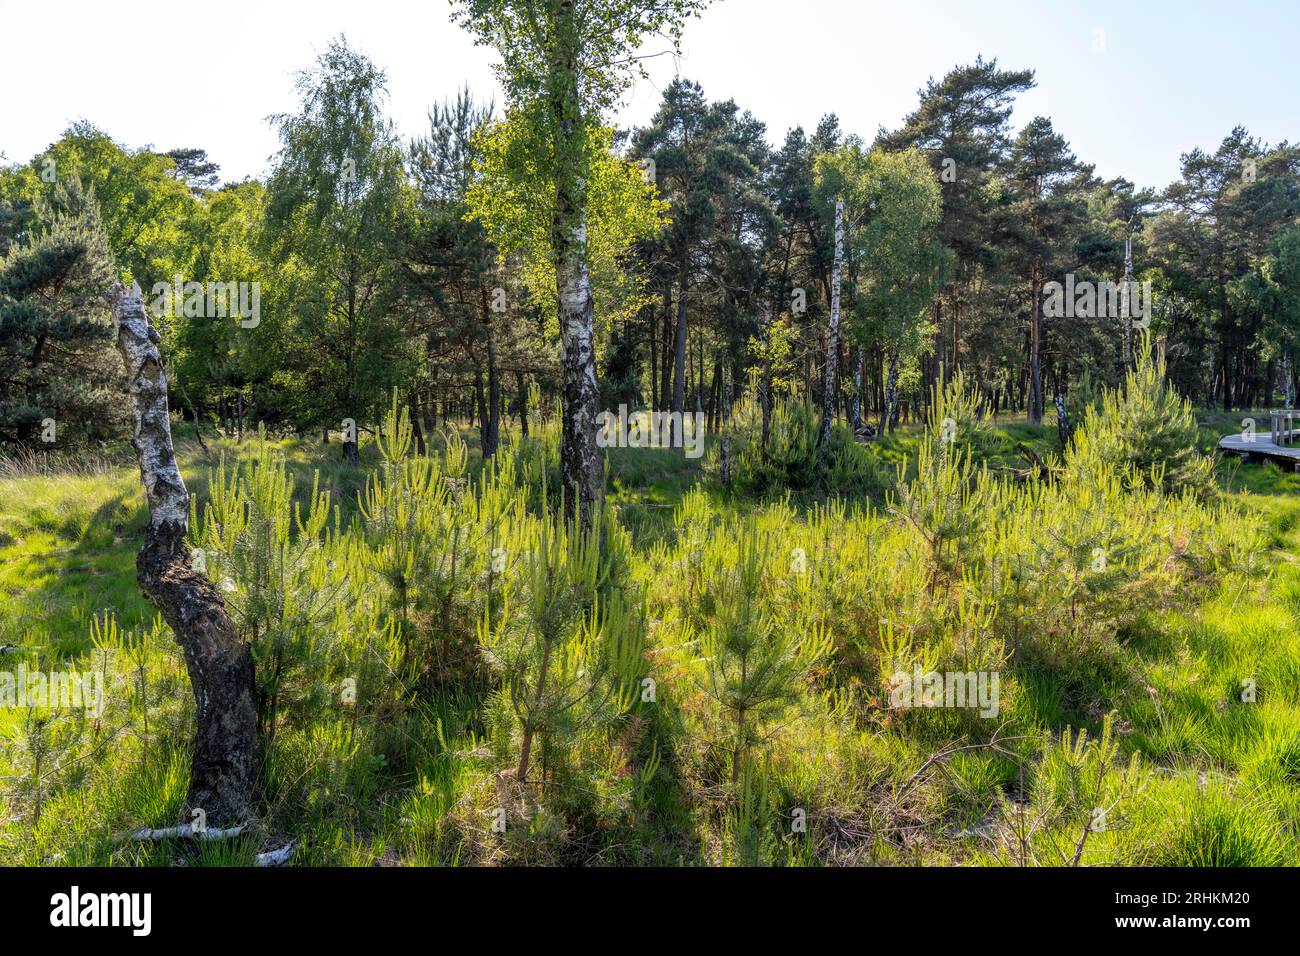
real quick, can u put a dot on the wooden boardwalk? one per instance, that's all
(1258, 447)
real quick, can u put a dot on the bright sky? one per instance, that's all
(1130, 84)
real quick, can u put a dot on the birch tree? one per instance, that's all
(333, 203)
(564, 63)
(832, 337)
(894, 216)
(219, 662)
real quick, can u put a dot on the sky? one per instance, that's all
(1132, 85)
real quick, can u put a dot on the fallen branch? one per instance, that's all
(1037, 467)
(275, 857)
(185, 831)
(994, 743)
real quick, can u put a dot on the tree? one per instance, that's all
(220, 664)
(1145, 431)
(193, 168)
(450, 261)
(144, 208)
(563, 63)
(699, 160)
(333, 205)
(893, 250)
(566, 643)
(832, 337)
(1274, 286)
(511, 202)
(239, 369)
(59, 378)
(1214, 227)
(1046, 178)
(754, 660)
(961, 125)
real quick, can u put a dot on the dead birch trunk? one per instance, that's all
(220, 665)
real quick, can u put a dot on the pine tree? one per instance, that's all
(60, 379)
(567, 648)
(1046, 179)
(1145, 430)
(754, 660)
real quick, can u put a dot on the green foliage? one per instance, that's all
(1145, 432)
(894, 210)
(753, 662)
(603, 36)
(958, 416)
(1221, 832)
(146, 210)
(789, 464)
(513, 199)
(703, 674)
(950, 500)
(333, 205)
(770, 651)
(565, 647)
(63, 374)
(283, 590)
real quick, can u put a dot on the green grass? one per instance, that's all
(1219, 776)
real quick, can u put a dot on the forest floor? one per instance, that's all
(1225, 788)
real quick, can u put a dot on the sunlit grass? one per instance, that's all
(1205, 693)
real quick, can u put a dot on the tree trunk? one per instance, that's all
(765, 379)
(832, 339)
(1062, 421)
(652, 323)
(581, 461)
(417, 421)
(725, 412)
(522, 388)
(480, 409)
(679, 348)
(220, 665)
(855, 410)
(492, 425)
(1035, 349)
(889, 414)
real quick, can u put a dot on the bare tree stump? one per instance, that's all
(220, 665)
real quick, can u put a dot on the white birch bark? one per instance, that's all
(833, 335)
(220, 664)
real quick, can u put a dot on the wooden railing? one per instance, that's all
(1283, 425)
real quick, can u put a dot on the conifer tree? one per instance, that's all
(754, 660)
(1147, 430)
(565, 645)
(59, 375)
